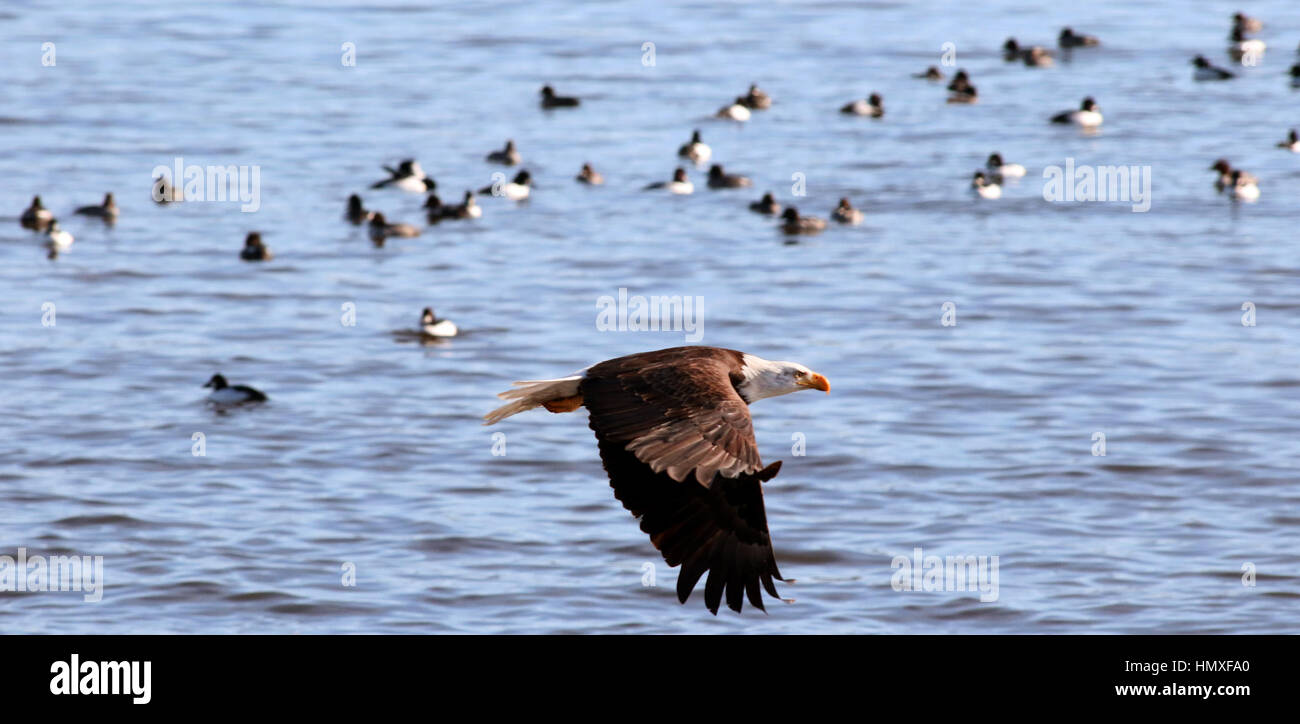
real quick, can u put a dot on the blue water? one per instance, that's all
(973, 439)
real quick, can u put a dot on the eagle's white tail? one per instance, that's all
(532, 393)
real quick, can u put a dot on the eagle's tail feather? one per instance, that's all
(533, 393)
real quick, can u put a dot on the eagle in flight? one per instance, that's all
(676, 439)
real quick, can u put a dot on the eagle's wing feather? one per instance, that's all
(721, 529)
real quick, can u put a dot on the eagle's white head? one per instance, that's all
(765, 378)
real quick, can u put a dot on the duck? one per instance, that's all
(734, 111)
(1246, 24)
(870, 106)
(550, 100)
(846, 214)
(56, 239)
(254, 249)
(695, 150)
(380, 229)
(467, 209)
(1243, 186)
(1292, 142)
(932, 74)
(720, 179)
(767, 205)
(517, 190)
(507, 156)
(756, 98)
(968, 94)
(793, 223)
(960, 82)
(1088, 115)
(36, 216)
(224, 393)
(408, 176)
(680, 185)
(984, 187)
(431, 326)
(165, 193)
(1206, 71)
(1069, 39)
(999, 170)
(356, 212)
(590, 176)
(106, 210)
(1295, 75)
(1241, 46)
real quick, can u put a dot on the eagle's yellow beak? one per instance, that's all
(816, 382)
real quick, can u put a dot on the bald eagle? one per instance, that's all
(676, 439)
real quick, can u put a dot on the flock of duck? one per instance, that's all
(408, 176)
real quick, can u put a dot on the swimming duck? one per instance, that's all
(756, 98)
(1292, 142)
(356, 212)
(590, 176)
(223, 393)
(719, 179)
(846, 214)
(984, 187)
(431, 326)
(871, 106)
(1206, 71)
(106, 210)
(1295, 76)
(1069, 39)
(380, 229)
(999, 170)
(254, 249)
(1088, 115)
(766, 205)
(36, 216)
(468, 209)
(408, 176)
(793, 223)
(931, 73)
(696, 150)
(735, 111)
(517, 190)
(550, 100)
(680, 184)
(507, 156)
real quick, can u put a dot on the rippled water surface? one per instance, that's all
(974, 439)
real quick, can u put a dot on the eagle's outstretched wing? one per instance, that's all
(678, 445)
